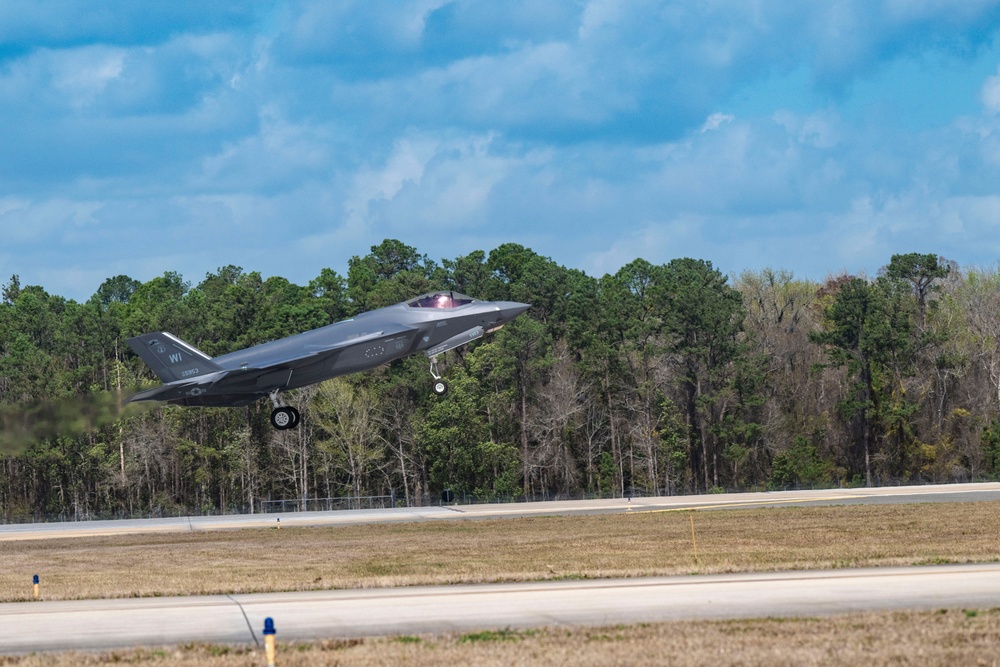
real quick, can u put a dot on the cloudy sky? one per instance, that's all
(285, 137)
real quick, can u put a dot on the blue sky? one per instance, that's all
(285, 137)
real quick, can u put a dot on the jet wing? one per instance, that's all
(248, 374)
(297, 353)
(314, 350)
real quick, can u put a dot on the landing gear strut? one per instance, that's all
(439, 387)
(283, 417)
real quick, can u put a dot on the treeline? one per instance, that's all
(660, 379)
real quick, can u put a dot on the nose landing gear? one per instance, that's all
(283, 417)
(439, 387)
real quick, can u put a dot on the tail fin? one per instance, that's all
(171, 358)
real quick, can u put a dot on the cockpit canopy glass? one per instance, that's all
(441, 300)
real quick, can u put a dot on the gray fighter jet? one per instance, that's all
(433, 324)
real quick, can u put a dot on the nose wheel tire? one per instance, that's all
(285, 418)
(440, 387)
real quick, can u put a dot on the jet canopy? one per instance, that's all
(441, 300)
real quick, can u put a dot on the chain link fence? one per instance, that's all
(327, 504)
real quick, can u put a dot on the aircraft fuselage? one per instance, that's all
(433, 323)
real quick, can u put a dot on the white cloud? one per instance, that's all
(324, 31)
(990, 93)
(287, 140)
(280, 153)
(45, 222)
(84, 75)
(654, 241)
(715, 120)
(373, 184)
(821, 129)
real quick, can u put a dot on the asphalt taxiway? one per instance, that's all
(239, 619)
(901, 494)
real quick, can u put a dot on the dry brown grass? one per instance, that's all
(609, 545)
(946, 638)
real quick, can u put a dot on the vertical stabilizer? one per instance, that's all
(171, 358)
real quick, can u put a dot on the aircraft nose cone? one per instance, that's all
(511, 309)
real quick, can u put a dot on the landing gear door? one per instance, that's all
(456, 341)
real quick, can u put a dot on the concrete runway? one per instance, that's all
(239, 619)
(105, 624)
(900, 494)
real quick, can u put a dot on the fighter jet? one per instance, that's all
(431, 323)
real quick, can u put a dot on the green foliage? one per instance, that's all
(658, 378)
(349, 426)
(702, 319)
(991, 446)
(452, 433)
(328, 290)
(159, 305)
(11, 290)
(393, 272)
(607, 473)
(674, 438)
(872, 333)
(469, 275)
(505, 635)
(117, 290)
(522, 275)
(801, 466)
(921, 271)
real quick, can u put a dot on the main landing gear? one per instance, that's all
(283, 417)
(440, 387)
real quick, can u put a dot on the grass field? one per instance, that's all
(609, 545)
(945, 638)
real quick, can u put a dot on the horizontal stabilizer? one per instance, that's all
(183, 391)
(171, 358)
